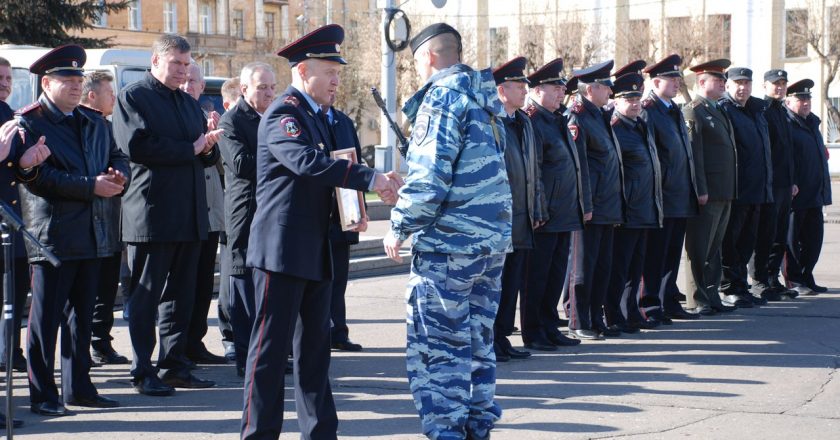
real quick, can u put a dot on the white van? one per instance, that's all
(126, 66)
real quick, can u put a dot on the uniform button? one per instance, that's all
(9, 164)
(13, 183)
(14, 202)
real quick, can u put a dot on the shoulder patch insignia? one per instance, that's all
(291, 126)
(614, 120)
(291, 100)
(573, 128)
(577, 107)
(28, 108)
(421, 129)
(647, 103)
(531, 110)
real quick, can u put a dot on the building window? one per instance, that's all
(135, 21)
(284, 21)
(796, 31)
(170, 17)
(720, 35)
(101, 17)
(207, 67)
(238, 24)
(205, 19)
(269, 25)
(498, 45)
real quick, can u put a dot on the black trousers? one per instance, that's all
(242, 311)
(622, 304)
(588, 287)
(545, 273)
(62, 297)
(20, 269)
(292, 313)
(737, 248)
(225, 300)
(338, 307)
(162, 282)
(205, 272)
(103, 309)
(804, 246)
(658, 293)
(512, 281)
(771, 237)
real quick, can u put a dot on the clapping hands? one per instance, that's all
(35, 155)
(387, 185)
(205, 142)
(110, 183)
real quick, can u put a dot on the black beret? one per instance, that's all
(67, 60)
(323, 43)
(430, 32)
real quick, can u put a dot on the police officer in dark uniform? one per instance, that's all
(342, 128)
(565, 208)
(67, 199)
(810, 155)
(755, 187)
(164, 133)
(643, 209)
(568, 93)
(774, 218)
(591, 130)
(238, 147)
(9, 194)
(715, 161)
(289, 249)
(526, 190)
(658, 299)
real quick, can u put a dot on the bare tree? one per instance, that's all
(362, 71)
(816, 26)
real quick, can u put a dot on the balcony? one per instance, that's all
(211, 43)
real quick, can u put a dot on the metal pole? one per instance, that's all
(329, 11)
(8, 320)
(389, 90)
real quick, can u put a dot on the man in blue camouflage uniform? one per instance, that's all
(457, 203)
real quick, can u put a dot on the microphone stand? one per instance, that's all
(9, 224)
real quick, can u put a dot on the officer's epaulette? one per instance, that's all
(531, 110)
(291, 100)
(614, 119)
(91, 109)
(576, 107)
(28, 108)
(694, 104)
(647, 102)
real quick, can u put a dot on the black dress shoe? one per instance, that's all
(501, 353)
(540, 345)
(704, 310)
(739, 301)
(49, 409)
(591, 335)
(680, 297)
(97, 401)
(230, 352)
(346, 346)
(682, 315)
(562, 323)
(15, 422)
(187, 381)
(609, 332)
(517, 354)
(817, 288)
(18, 364)
(666, 320)
(650, 323)
(110, 357)
(628, 328)
(152, 386)
(561, 340)
(204, 357)
(758, 300)
(723, 308)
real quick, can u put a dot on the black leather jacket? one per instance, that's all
(564, 179)
(524, 178)
(642, 178)
(811, 163)
(752, 139)
(61, 209)
(591, 130)
(679, 185)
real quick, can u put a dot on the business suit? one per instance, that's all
(715, 161)
(296, 183)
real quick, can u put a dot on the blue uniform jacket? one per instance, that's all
(811, 163)
(296, 180)
(642, 176)
(752, 139)
(8, 183)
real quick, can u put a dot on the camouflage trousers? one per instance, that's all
(452, 304)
